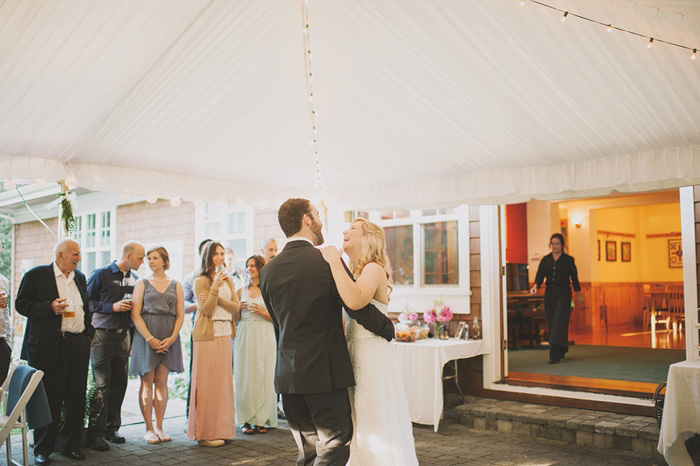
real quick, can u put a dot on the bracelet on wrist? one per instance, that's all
(149, 338)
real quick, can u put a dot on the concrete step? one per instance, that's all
(577, 426)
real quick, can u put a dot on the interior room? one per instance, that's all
(629, 327)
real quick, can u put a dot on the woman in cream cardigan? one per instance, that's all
(212, 415)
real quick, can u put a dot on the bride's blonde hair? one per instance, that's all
(373, 249)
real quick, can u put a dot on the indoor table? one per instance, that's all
(422, 362)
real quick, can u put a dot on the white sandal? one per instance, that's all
(151, 438)
(162, 436)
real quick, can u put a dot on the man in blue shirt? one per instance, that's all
(109, 291)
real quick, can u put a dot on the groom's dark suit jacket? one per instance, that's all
(306, 310)
(43, 334)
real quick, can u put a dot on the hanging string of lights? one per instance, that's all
(310, 90)
(610, 27)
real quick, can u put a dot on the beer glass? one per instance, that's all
(69, 312)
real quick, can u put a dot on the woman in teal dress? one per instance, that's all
(254, 357)
(158, 312)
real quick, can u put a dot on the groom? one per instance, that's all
(313, 364)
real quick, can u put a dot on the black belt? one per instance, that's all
(113, 330)
(70, 334)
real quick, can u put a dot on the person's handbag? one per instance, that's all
(659, 402)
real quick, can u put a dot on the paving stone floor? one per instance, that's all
(454, 444)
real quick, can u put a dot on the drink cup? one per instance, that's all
(127, 297)
(3, 298)
(69, 312)
(219, 268)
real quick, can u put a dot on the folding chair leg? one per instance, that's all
(25, 444)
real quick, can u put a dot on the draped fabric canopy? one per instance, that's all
(419, 103)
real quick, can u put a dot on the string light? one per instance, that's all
(9, 185)
(310, 90)
(175, 202)
(152, 199)
(610, 27)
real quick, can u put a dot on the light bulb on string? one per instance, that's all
(563, 18)
(175, 202)
(311, 57)
(650, 42)
(693, 56)
(152, 199)
(522, 2)
(311, 97)
(9, 185)
(609, 27)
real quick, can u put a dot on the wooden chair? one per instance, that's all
(15, 397)
(676, 304)
(656, 305)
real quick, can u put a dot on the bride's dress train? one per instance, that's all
(383, 434)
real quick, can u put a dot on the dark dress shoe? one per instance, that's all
(99, 444)
(114, 437)
(42, 459)
(76, 455)
(554, 361)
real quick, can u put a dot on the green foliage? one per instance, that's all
(6, 241)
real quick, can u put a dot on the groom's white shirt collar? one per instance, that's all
(300, 238)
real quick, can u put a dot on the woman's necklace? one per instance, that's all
(153, 277)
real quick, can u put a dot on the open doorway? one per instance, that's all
(630, 327)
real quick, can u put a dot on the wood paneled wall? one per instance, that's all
(621, 303)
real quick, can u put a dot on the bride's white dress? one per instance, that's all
(383, 434)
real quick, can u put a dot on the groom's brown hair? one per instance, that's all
(291, 213)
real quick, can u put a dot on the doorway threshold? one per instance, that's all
(582, 384)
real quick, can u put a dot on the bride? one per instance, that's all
(383, 434)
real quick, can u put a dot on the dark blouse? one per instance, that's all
(560, 274)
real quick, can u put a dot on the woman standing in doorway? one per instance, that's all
(560, 270)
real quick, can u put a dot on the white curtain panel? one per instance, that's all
(420, 103)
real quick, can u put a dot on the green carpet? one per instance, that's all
(601, 362)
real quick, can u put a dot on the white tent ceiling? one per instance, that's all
(419, 102)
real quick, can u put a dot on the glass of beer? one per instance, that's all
(69, 312)
(127, 297)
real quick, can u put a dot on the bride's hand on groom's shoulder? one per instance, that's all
(331, 253)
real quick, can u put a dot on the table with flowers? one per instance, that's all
(422, 362)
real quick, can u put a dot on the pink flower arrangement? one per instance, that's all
(440, 312)
(408, 316)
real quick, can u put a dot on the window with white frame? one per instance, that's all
(95, 234)
(427, 248)
(229, 224)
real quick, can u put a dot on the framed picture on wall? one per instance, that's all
(625, 251)
(598, 249)
(675, 253)
(610, 251)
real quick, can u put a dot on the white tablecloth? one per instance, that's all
(681, 412)
(422, 362)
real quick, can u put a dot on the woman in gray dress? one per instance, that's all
(158, 312)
